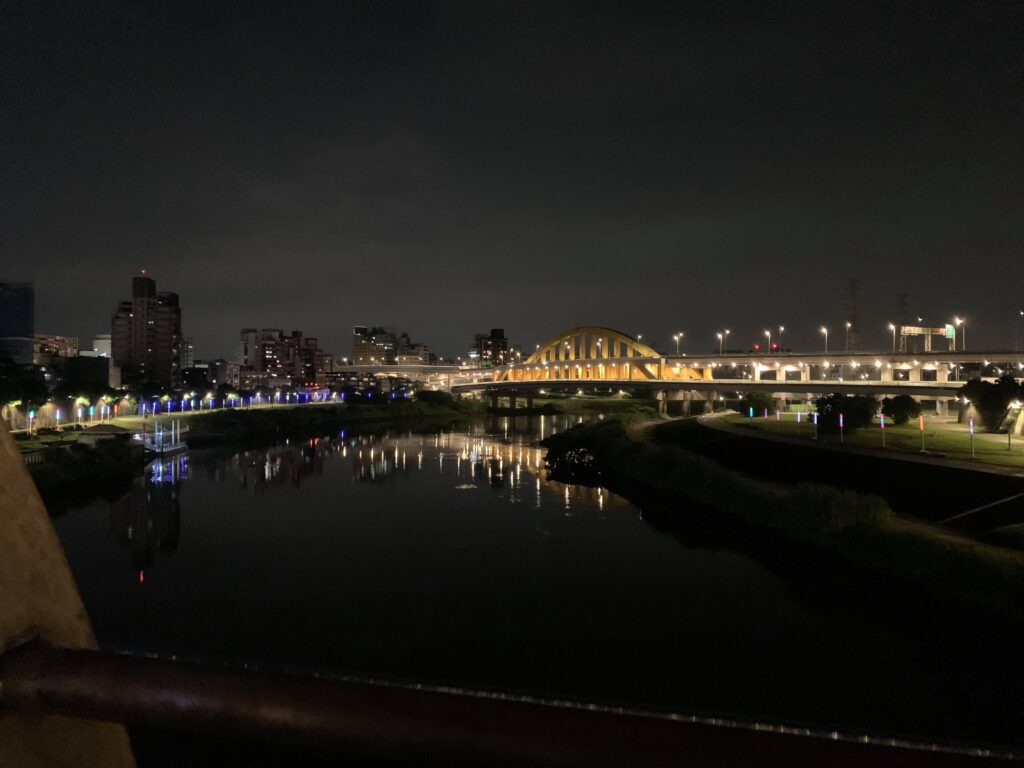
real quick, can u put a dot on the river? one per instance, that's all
(451, 558)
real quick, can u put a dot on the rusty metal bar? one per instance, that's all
(409, 724)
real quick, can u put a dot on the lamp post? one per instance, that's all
(677, 337)
(1016, 330)
(824, 331)
(892, 328)
(781, 329)
(962, 325)
(722, 336)
(970, 421)
(848, 326)
(769, 335)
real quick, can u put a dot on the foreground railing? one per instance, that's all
(418, 725)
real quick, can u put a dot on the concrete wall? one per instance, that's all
(39, 601)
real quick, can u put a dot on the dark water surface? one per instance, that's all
(451, 558)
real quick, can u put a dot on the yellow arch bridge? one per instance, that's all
(593, 353)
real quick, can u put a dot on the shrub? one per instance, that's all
(901, 408)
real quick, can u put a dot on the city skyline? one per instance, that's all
(667, 341)
(445, 167)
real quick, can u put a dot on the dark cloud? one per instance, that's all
(452, 167)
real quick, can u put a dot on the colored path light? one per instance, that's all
(920, 426)
(841, 428)
(778, 415)
(766, 413)
(970, 428)
(881, 423)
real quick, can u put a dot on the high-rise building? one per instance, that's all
(305, 359)
(489, 349)
(188, 353)
(146, 336)
(412, 352)
(17, 322)
(374, 345)
(267, 357)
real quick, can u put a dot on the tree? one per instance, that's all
(993, 398)
(759, 401)
(901, 408)
(857, 411)
(24, 383)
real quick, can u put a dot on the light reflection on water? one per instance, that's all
(452, 557)
(464, 461)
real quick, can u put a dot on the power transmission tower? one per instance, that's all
(851, 313)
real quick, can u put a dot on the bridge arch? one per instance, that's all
(592, 353)
(590, 342)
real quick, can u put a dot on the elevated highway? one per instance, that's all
(589, 357)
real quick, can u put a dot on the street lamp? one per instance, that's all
(962, 324)
(677, 337)
(893, 329)
(848, 326)
(824, 330)
(781, 329)
(769, 335)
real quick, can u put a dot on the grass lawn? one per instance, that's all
(941, 435)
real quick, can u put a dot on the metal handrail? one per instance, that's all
(417, 724)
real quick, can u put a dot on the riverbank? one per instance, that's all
(969, 499)
(837, 526)
(74, 474)
(70, 473)
(234, 426)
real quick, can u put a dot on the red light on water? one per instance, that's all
(142, 576)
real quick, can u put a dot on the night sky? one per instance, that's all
(449, 167)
